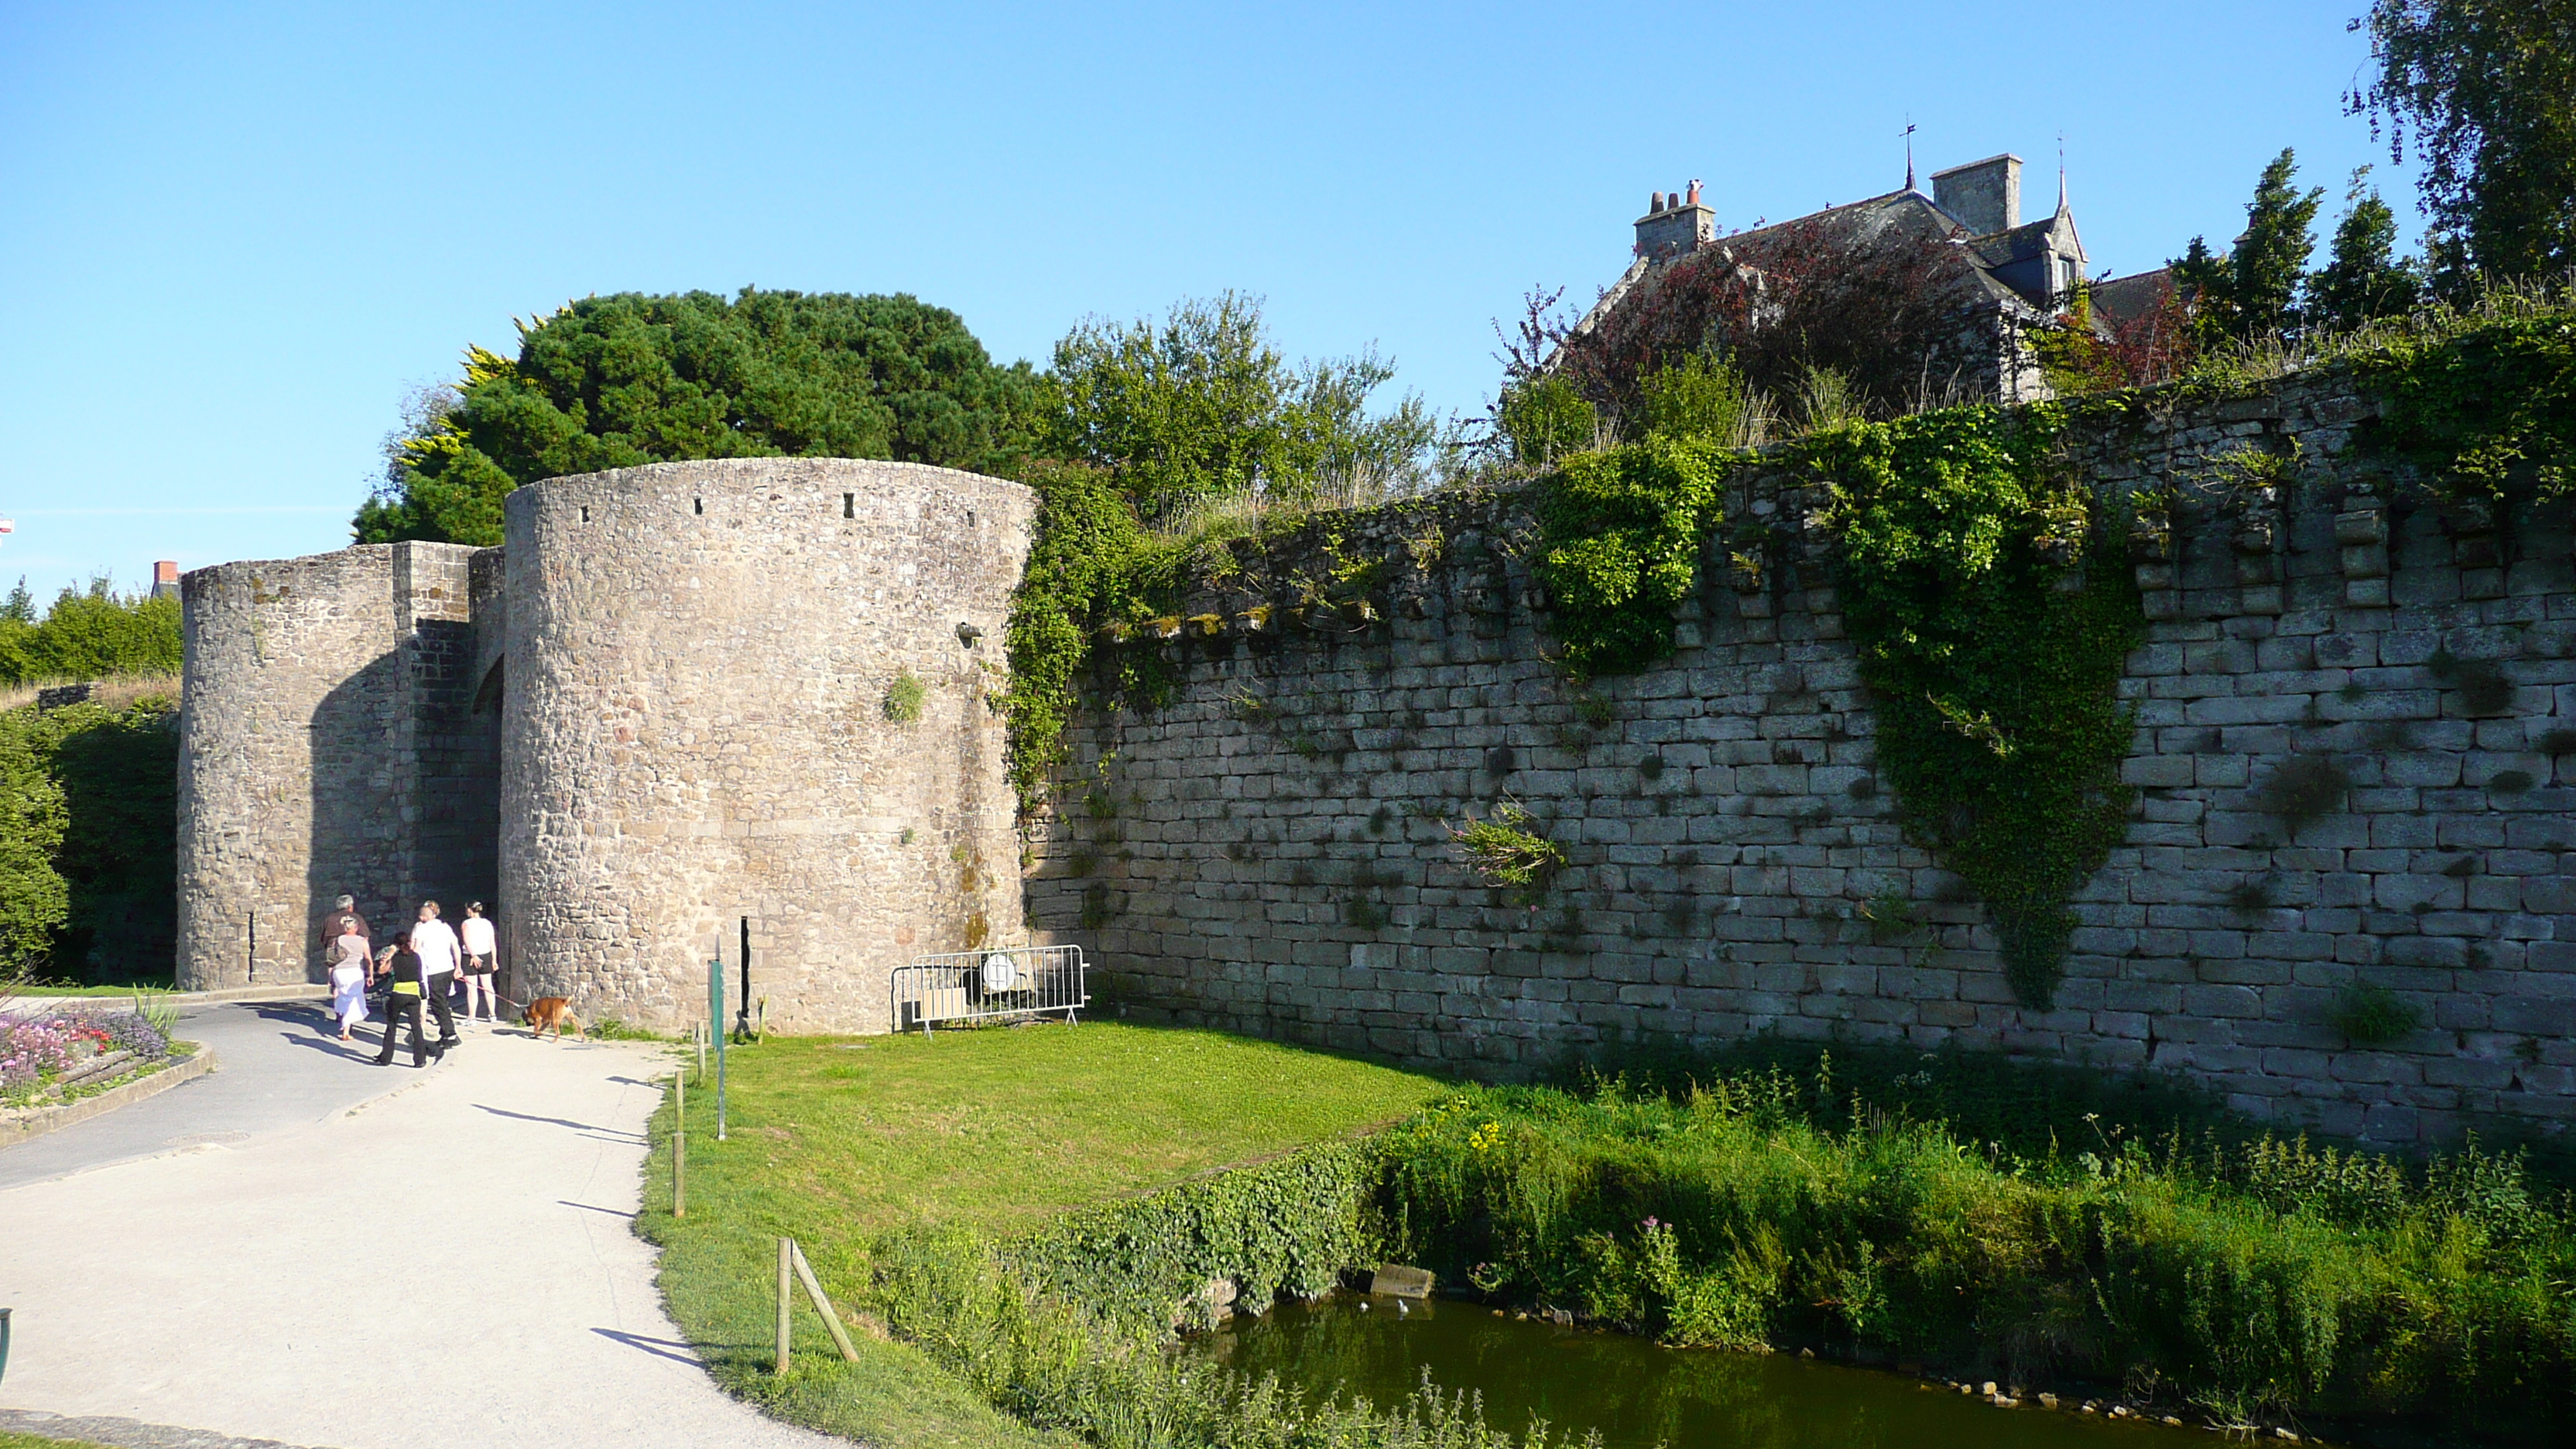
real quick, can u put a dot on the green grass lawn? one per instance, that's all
(22, 989)
(834, 1139)
(10, 1440)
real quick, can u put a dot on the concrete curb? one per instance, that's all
(30, 1005)
(56, 1118)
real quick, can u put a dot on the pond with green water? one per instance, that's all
(1634, 1393)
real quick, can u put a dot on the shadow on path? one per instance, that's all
(672, 1349)
(609, 1134)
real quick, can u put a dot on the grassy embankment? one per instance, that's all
(2012, 1221)
(833, 1142)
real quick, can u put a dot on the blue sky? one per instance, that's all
(232, 236)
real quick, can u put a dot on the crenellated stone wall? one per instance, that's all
(1270, 852)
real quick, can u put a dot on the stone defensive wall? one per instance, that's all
(654, 721)
(1270, 852)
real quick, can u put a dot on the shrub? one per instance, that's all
(1545, 418)
(2373, 1015)
(903, 698)
(1506, 851)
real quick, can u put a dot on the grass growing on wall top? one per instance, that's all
(992, 1133)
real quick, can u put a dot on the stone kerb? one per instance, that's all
(696, 731)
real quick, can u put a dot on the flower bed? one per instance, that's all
(51, 1059)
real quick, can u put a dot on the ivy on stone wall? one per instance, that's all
(1992, 618)
(1620, 533)
(1091, 566)
(2489, 412)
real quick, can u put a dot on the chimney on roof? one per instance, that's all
(1984, 195)
(1674, 226)
(165, 579)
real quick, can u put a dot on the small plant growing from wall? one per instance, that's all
(1890, 917)
(1508, 851)
(2303, 791)
(2372, 1015)
(904, 698)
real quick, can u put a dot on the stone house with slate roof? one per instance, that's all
(2007, 275)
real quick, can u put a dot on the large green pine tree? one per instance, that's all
(613, 382)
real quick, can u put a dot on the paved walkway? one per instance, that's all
(277, 1066)
(474, 1216)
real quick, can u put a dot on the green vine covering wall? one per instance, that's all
(1992, 653)
(1992, 620)
(2490, 412)
(1620, 534)
(1092, 566)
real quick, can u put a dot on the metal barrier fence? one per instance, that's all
(1004, 982)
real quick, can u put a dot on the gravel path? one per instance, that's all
(473, 1217)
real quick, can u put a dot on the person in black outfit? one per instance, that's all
(402, 1003)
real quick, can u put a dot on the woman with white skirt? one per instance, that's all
(349, 979)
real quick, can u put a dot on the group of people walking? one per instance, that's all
(422, 964)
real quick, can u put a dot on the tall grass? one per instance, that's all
(114, 692)
(2273, 355)
(2254, 1278)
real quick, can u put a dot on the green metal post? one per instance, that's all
(715, 1027)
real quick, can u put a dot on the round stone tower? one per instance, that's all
(755, 693)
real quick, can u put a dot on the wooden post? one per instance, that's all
(823, 1305)
(698, 1034)
(679, 1144)
(786, 1298)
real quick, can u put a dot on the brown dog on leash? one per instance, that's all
(555, 1012)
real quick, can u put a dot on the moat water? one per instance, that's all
(1634, 1393)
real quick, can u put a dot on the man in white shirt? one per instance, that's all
(438, 949)
(476, 974)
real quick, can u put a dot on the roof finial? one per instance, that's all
(2061, 171)
(1909, 151)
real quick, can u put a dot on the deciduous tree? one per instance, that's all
(2484, 91)
(1201, 404)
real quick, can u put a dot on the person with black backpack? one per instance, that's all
(402, 1001)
